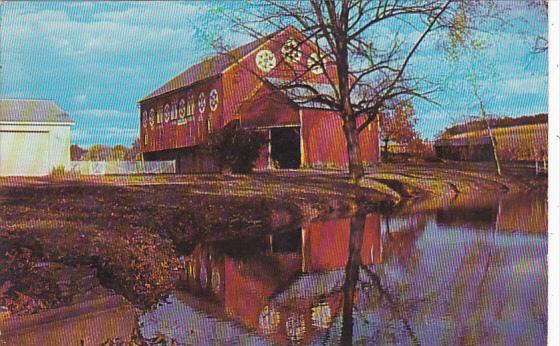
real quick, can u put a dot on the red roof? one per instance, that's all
(210, 67)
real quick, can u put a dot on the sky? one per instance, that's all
(96, 60)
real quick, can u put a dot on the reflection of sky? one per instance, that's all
(465, 282)
(189, 326)
(97, 59)
(456, 283)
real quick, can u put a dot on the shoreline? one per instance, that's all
(132, 229)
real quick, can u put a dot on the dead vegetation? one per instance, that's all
(132, 229)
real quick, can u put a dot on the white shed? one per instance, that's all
(34, 137)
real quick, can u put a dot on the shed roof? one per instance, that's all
(210, 67)
(35, 111)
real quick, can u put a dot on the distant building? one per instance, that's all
(523, 138)
(34, 137)
(464, 149)
(242, 87)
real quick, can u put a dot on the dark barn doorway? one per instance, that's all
(285, 147)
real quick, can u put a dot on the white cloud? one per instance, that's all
(80, 99)
(101, 113)
(527, 85)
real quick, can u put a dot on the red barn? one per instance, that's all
(241, 86)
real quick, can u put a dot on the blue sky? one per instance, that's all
(96, 60)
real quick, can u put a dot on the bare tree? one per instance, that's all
(369, 46)
(484, 117)
(541, 41)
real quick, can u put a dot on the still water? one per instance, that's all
(466, 271)
(471, 270)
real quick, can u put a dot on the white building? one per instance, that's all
(34, 137)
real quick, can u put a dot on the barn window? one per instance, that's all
(190, 109)
(167, 112)
(181, 110)
(145, 119)
(145, 139)
(173, 111)
(159, 117)
(152, 117)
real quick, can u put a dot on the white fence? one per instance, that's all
(122, 167)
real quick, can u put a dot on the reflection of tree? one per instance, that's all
(351, 278)
(357, 224)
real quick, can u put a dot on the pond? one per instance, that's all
(470, 270)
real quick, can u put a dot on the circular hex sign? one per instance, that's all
(201, 102)
(152, 117)
(182, 108)
(166, 112)
(265, 60)
(314, 63)
(291, 51)
(145, 119)
(213, 100)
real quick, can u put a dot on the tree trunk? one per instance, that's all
(355, 165)
(494, 149)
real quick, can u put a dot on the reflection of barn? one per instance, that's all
(286, 286)
(242, 87)
(465, 149)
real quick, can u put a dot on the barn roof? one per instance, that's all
(462, 141)
(210, 67)
(35, 111)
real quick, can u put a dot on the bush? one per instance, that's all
(58, 170)
(237, 149)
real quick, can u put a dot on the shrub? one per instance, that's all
(237, 149)
(58, 170)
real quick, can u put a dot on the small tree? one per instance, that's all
(397, 125)
(133, 153)
(77, 153)
(237, 149)
(118, 152)
(484, 118)
(97, 152)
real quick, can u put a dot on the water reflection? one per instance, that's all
(105, 318)
(469, 271)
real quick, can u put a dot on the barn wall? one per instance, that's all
(465, 152)
(324, 142)
(268, 108)
(334, 235)
(176, 132)
(241, 81)
(187, 160)
(263, 162)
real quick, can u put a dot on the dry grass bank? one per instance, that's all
(132, 229)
